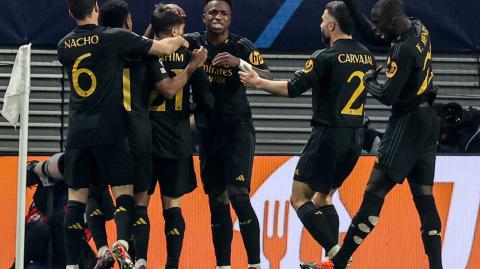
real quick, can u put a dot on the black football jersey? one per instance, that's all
(335, 75)
(231, 104)
(140, 74)
(409, 72)
(171, 118)
(94, 58)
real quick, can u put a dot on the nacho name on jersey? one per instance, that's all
(81, 41)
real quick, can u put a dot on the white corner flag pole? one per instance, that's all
(16, 102)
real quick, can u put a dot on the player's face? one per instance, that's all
(217, 16)
(326, 27)
(382, 25)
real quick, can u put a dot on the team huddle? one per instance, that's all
(132, 97)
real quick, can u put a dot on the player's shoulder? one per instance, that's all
(195, 36)
(324, 54)
(61, 43)
(242, 42)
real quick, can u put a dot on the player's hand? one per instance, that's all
(374, 73)
(199, 56)
(226, 59)
(250, 78)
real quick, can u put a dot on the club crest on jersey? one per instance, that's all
(392, 70)
(308, 66)
(256, 58)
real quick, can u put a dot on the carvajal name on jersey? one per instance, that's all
(355, 59)
(81, 41)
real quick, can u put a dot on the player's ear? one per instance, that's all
(71, 14)
(96, 8)
(204, 19)
(174, 31)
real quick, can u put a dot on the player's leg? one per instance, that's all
(214, 185)
(324, 203)
(97, 216)
(174, 230)
(421, 185)
(315, 173)
(177, 178)
(141, 228)
(430, 221)
(78, 164)
(238, 153)
(114, 163)
(366, 219)
(348, 147)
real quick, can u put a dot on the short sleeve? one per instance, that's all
(250, 54)
(304, 79)
(127, 42)
(155, 70)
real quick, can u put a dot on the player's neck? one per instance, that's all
(338, 37)
(88, 20)
(404, 26)
(217, 39)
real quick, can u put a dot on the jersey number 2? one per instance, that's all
(348, 110)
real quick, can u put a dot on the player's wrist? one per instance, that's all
(244, 66)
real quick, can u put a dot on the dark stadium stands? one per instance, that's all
(282, 124)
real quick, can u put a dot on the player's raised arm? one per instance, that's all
(167, 46)
(169, 87)
(252, 79)
(363, 25)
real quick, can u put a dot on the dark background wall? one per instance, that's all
(274, 24)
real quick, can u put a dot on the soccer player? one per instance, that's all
(96, 147)
(141, 74)
(338, 97)
(228, 144)
(408, 147)
(172, 140)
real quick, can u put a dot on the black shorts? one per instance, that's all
(140, 147)
(226, 157)
(328, 158)
(108, 164)
(408, 148)
(176, 177)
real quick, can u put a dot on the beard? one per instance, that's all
(325, 39)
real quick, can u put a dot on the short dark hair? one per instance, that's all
(81, 9)
(164, 18)
(114, 13)
(229, 2)
(340, 12)
(391, 8)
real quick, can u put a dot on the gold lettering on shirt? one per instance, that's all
(174, 57)
(355, 59)
(81, 41)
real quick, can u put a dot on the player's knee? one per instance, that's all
(297, 199)
(122, 190)
(141, 198)
(218, 196)
(79, 195)
(171, 202)
(322, 199)
(243, 208)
